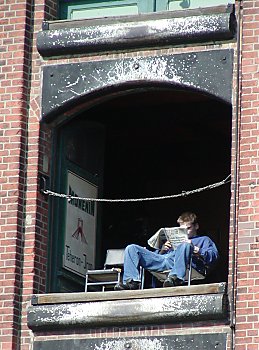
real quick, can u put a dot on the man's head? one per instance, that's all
(189, 221)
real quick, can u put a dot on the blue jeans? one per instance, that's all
(174, 260)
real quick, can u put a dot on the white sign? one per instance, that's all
(80, 234)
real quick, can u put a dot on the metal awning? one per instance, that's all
(161, 29)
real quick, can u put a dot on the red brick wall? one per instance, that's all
(22, 232)
(23, 213)
(15, 62)
(247, 307)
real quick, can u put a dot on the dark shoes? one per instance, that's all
(173, 281)
(130, 285)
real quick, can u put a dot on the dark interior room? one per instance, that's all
(160, 143)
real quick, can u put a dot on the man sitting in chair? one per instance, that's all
(202, 249)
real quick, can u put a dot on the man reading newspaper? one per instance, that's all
(166, 257)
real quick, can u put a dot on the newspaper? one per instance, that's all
(175, 235)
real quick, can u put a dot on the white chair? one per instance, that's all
(111, 272)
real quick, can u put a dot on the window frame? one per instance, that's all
(66, 7)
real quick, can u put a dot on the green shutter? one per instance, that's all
(80, 150)
(97, 9)
(81, 9)
(173, 5)
(95, 12)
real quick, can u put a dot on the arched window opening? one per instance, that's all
(140, 145)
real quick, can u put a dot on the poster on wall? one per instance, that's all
(80, 228)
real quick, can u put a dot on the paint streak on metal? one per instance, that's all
(132, 344)
(94, 34)
(81, 312)
(156, 69)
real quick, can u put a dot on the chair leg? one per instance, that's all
(119, 277)
(86, 281)
(142, 277)
(190, 272)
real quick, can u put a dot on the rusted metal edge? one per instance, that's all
(173, 309)
(137, 32)
(189, 340)
(63, 298)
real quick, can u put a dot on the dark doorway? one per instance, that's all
(162, 143)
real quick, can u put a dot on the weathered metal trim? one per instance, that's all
(76, 85)
(201, 341)
(143, 31)
(128, 312)
(62, 298)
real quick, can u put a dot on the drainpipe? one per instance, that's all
(236, 177)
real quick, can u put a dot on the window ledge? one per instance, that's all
(150, 30)
(122, 308)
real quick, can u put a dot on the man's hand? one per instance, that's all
(165, 247)
(195, 248)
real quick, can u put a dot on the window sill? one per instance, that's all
(132, 32)
(150, 306)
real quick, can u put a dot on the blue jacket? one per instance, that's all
(208, 250)
(208, 253)
(207, 256)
